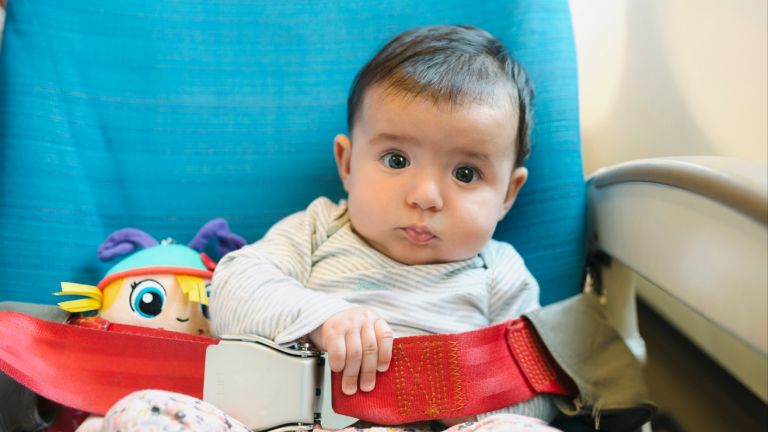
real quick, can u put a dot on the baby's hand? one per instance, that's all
(359, 343)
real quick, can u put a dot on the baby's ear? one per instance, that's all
(342, 151)
(516, 182)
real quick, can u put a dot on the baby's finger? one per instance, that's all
(370, 357)
(353, 360)
(337, 353)
(384, 338)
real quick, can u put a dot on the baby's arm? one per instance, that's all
(260, 290)
(251, 295)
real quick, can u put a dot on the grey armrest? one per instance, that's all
(735, 183)
(697, 228)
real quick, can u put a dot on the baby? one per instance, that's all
(439, 125)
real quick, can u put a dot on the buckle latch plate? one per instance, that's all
(270, 387)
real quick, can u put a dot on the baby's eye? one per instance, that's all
(147, 300)
(395, 160)
(466, 174)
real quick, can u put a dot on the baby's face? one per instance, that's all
(428, 183)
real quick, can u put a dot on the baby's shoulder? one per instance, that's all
(326, 218)
(322, 208)
(507, 271)
(320, 216)
(498, 252)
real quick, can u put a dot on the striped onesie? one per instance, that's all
(312, 265)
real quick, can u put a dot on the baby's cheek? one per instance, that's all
(475, 230)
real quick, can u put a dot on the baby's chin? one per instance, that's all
(426, 257)
(410, 254)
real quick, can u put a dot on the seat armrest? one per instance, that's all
(735, 183)
(696, 228)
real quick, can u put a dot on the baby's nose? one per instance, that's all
(425, 193)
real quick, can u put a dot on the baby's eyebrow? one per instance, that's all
(465, 151)
(385, 137)
(472, 154)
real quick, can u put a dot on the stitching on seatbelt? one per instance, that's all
(428, 379)
(534, 364)
(430, 366)
(453, 364)
(440, 385)
(403, 403)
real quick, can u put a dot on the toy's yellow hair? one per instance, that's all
(96, 300)
(92, 301)
(194, 288)
(110, 293)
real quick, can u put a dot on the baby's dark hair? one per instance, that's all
(453, 64)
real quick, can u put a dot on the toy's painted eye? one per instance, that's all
(204, 308)
(147, 298)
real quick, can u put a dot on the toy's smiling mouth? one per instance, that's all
(182, 320)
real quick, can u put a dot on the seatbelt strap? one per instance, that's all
(430, 377)
(457, 375)
(91, 369)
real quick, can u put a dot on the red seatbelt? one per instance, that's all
(457, 375)
(430, 377)
(90, 369)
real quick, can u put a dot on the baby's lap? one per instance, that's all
(161, 410)
(495, 423)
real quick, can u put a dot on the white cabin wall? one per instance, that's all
(671, 77)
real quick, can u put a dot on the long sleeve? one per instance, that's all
(514, 291)
(260, 289)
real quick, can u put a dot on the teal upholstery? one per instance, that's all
(165, 114)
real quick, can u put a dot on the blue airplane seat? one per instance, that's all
(165, 114)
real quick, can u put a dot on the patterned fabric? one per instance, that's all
(165, 114)
(155, 411)
(160, 411)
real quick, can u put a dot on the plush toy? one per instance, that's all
(159, 284)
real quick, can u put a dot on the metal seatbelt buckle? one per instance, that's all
(270, 387)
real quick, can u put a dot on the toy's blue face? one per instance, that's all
(156, 301)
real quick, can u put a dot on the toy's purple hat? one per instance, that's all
(154, 257)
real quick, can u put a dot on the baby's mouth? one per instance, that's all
(182, 320)
(418, 234)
